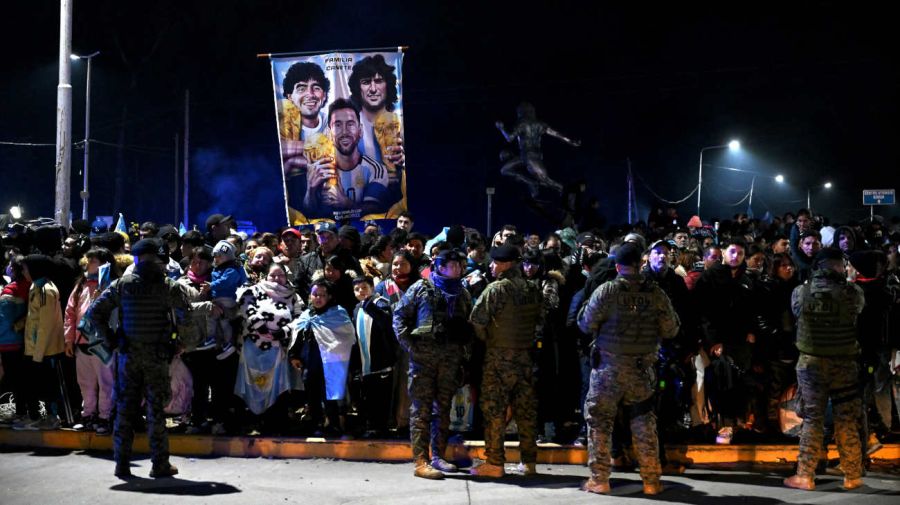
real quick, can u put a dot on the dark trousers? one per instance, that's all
(40, 384)
(377, 400)
(14, 378)
(214, 380)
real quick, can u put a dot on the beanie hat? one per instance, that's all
(225, 249)
(695, 222)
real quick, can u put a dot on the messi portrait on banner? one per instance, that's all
(340, 126)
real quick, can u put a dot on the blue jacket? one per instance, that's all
(12, 310)
(226, 279)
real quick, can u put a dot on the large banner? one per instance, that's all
(340, 125)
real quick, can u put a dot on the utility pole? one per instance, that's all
(187, 171)
(176, 179)
(64, 117)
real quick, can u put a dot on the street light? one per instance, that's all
(827, 185)
(734, 145)
(779, 179)
(87, 130)
(16, 212)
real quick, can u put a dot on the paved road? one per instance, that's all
(56, 477)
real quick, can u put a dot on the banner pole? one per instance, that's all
(312, 53)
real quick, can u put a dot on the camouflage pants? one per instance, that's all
(142, 376)
(820, 379)
(631, 380)
(509, 381)
(433, 380)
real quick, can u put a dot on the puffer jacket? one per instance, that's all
(13, 308)
(44, 323)
(80, 300)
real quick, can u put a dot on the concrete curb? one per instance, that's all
(395, 451)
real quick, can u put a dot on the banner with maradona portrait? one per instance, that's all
(340, 126)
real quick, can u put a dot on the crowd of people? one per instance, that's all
(342, 332)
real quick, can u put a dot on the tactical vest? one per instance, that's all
(827, 322)
(514, 326)
(145, 310)
(434, 321)
(633, 325)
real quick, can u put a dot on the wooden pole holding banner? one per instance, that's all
(311, 53)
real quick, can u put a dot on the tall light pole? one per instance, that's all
(827, 185)
(62, 200)
(87, 131)
(734, 145)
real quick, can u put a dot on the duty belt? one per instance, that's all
(640, 361)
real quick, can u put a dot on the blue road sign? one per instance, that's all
(878, 197)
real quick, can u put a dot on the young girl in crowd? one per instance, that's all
(95, 378)
(322, 350)
(44, 345)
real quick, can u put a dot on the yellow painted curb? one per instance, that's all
(392, 450)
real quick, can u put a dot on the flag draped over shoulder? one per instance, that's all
(335, 336)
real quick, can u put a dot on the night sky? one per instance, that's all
(811, 92)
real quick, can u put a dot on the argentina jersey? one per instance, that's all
(367, 182)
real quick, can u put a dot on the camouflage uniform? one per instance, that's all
(826, 308)
(435, 336)
(505, 317)
(145, 345)
(627, 317)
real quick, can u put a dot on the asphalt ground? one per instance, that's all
(60, 477)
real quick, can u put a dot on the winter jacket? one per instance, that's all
(314, 261)
(725, 303)
(226, 279)
(376, 342)
(44, 323)
(13, 309)
(80, 300)
(776, 330)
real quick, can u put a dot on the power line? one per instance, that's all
(25, 144)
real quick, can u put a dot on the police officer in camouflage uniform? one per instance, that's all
(431, 323)
(826, 308)
(145, 301)
(505, 317)
(627, 317)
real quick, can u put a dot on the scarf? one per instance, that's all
(197, 279)
(17, 289)
(275, 290)
(449, 288)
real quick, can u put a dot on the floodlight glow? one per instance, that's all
(734, 145)
(779, 178)
(827, 185)
(16, 212)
